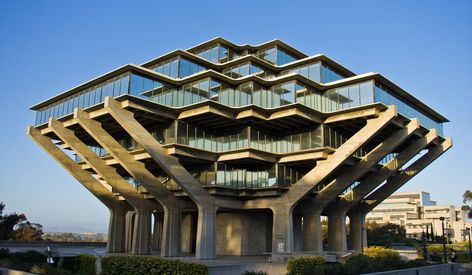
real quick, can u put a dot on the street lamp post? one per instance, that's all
(443, 239)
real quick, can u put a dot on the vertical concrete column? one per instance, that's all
(142, 231)
(282, 229)
(357, 231)
(337, 233)
(116, 230)
(297, 232)
(129, 226)
(206, 232)
(170, 243)
(312, 231)
(157, 230)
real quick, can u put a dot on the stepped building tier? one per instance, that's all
(226, 149)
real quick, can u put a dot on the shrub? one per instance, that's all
(303, 265)
(254, 273)
(148, 265)
(379, 251)
(49, 270)
(85, 265)
(359, 264)
(4, 253)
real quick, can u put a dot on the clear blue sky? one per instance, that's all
(49, 46)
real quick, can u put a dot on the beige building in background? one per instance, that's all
(417, 212)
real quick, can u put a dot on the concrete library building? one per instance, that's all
(226, 149)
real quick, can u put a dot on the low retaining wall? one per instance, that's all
(269, 268)
(46, 243)
(440, 269)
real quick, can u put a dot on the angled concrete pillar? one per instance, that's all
(116, 207)
(398, 180)
(206, 236)
(343, 181)
(166, 199)
(341, 207)
(337, 241)
(324, 168)
(142, 206)
(206, 232)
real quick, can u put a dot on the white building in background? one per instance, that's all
(417, 212)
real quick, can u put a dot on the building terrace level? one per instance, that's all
(224, 149)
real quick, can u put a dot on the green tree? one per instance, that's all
(385, 234)
(15, 226)
(467, 199)
(27, 231)
(8, 222)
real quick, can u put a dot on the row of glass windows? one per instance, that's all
(242, 70)
(311, 71)
(241, 177)
(348, 96)
(84, 99)
(245, 94)
(275, 55)
(187, 134)
(328, 74)
(384, 95)
(318, 72)
(216, 53)
(177, 67)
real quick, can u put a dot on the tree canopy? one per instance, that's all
(467, 199)
(17, 227)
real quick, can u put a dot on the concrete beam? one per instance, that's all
(137, 169)
(373, 180)
(358, 212)
(325, 167)
(397, 181)
(206, 243)
(116, 206)
(142, 206)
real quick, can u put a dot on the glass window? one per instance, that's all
(268, 55)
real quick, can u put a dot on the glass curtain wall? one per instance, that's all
(216, 53)
(177, 67)
(340, 98)
(385, 96)
(114, 87)
(275, 55)
(348, 96)
(318, 72)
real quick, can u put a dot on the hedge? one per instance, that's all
(304, 265)
(149, 265)
(354, 265)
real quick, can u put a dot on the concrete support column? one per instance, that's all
(297, 233)
(116, 230)
(282, 230)
(157, 230)
(337, 233)
(312, 231)
(206, 233)
(129, 226)
(142, 231)
(357, 231)
(170, 243)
